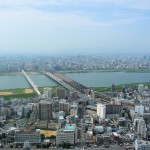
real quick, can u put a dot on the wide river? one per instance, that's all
(95, 79)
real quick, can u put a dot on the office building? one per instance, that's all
(103, 110)
(45, 110)
(69, 134)
(32, 137)
(113, 109)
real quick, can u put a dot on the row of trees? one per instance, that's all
(51, 137)
(65, 145)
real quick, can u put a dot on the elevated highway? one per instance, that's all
(31, 83)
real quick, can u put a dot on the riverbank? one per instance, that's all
(18, 73)
(22, 92)
(80, 71)
(118, 87)
(109, 70)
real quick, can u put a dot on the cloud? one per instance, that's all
(72, 23)
(46, 11)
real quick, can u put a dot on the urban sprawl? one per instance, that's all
(77, 117)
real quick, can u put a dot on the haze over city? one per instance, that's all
(74, 27)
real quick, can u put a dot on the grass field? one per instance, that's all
(5, 93)
(22, 93)
(17, 93)
(119, 87)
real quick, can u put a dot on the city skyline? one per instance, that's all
(74, 27)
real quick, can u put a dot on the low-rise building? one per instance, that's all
(32, 137)
(69, 134)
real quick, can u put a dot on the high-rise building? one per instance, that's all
(101, 110)
(64, 106)
(45, 110)
(81, 108)
(140, 127)
(48, 93)
(139, 110)
(74, 109)
(61, 93)
(113, 88)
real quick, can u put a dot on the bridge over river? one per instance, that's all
(73, 85)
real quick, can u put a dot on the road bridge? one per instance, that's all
(59, 81)
(76, 85)
(72, 85)
(31, 83)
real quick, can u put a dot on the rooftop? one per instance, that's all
(70, 127)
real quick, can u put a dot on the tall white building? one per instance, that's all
(140, 88)
(74, 109)
(101, 110)
(140, 127)
(47, 93)
(139, 110)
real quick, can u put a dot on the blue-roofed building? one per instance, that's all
(70, 127)
(69, 134)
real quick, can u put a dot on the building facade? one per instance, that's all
(69, 134)
(32, 137)
(142, 145)
(101, 110)
(45, 110)
(61, 93)
(64, 106)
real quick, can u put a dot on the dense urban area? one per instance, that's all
(76, 117)
(74, 63)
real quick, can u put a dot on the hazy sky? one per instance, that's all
(74, 26)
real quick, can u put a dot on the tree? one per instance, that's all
(38, 145)
(0, 137)
(42, 137)
(67, 144)
(52, 137)
(29, 113)
(3, 135)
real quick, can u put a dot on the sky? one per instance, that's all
(74, 26)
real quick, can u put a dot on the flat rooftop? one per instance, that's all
(70, 127)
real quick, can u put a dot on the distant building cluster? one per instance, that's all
(81, 62)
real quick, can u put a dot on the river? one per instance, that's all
(95, 79)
